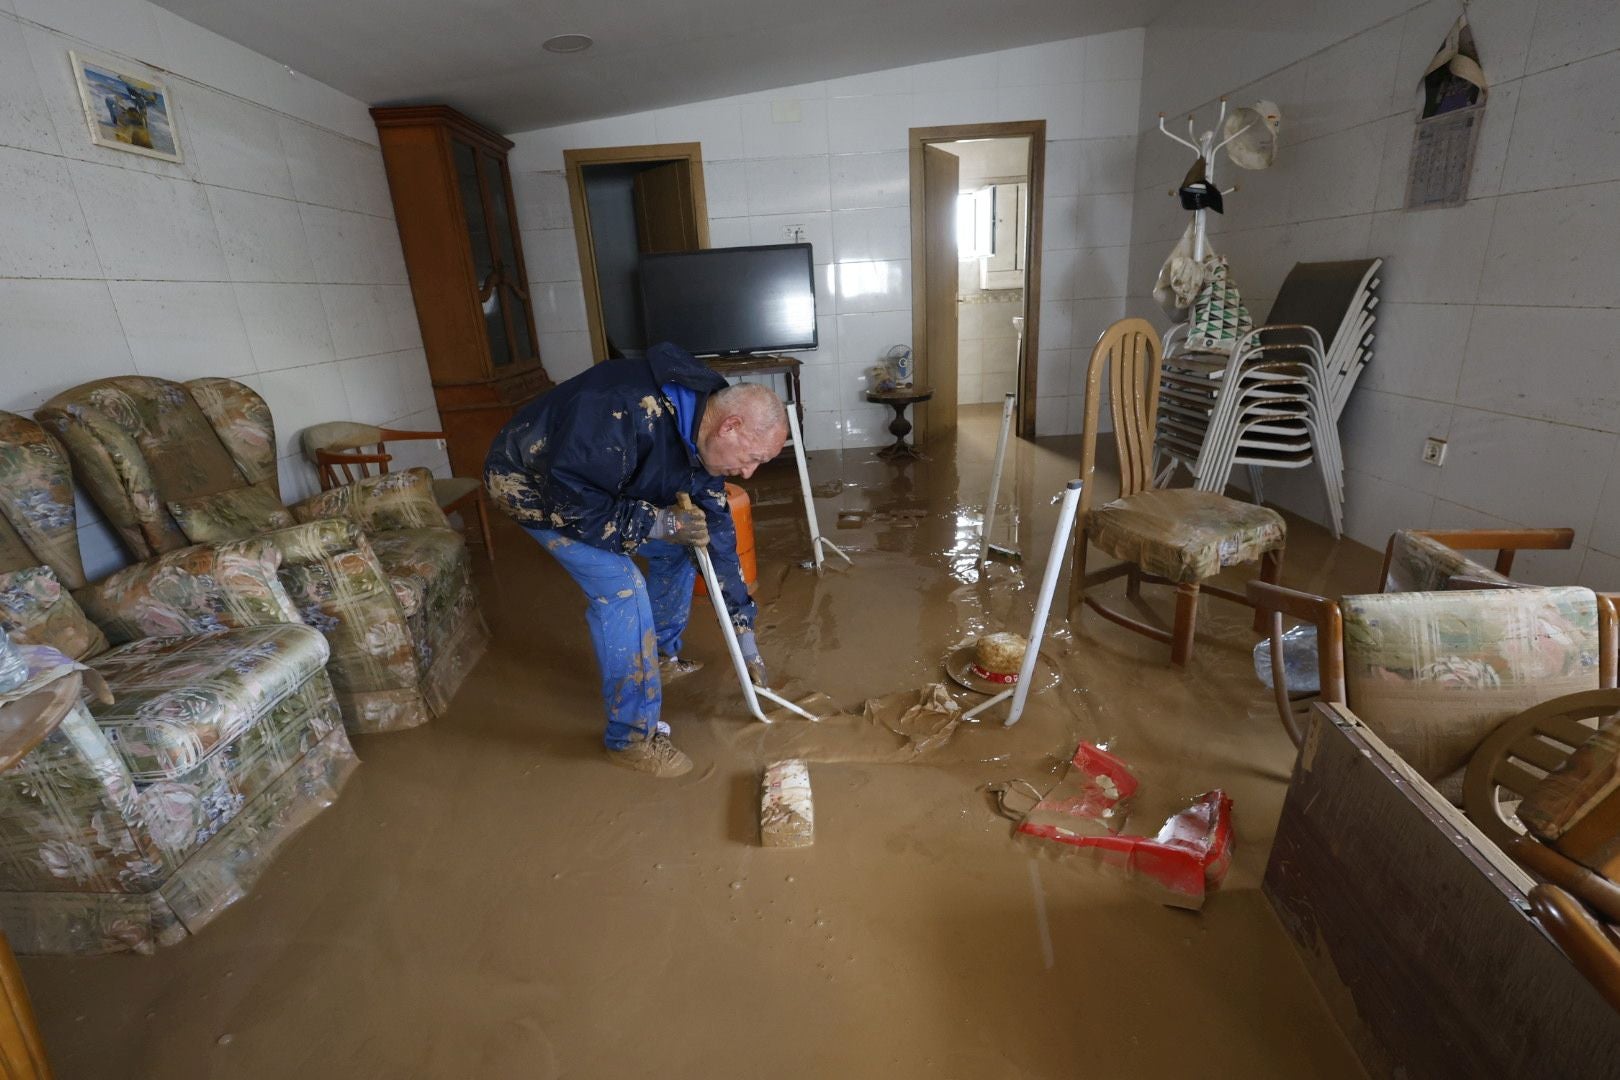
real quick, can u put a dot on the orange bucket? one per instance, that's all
(742, 516)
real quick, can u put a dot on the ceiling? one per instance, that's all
(484, 56)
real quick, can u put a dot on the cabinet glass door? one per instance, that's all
(503, 235)
(487, 270)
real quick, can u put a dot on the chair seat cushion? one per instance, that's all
(1184, 534)
(447, 490)
(177, 699)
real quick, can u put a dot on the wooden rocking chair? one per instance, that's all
(1164, 536)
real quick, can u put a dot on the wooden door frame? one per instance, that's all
(574, 162)
(920, 137)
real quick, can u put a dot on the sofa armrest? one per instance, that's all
(338, 587)
(191, 591)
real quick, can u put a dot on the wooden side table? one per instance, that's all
(899, 400)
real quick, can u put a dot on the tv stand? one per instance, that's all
(764, 364)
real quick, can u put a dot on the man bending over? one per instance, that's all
(592, 470)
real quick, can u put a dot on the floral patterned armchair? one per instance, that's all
(214, 737)
(380, 573)
(1450, 648)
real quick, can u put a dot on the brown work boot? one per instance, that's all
(656, 756)
(671, 668)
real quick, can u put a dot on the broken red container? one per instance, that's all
(1188, 857)
(1093, 799)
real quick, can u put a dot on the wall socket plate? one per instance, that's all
(794, 234)
(1434, 452)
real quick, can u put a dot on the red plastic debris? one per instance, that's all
(1189, 856)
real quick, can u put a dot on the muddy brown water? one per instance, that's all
(490, 898)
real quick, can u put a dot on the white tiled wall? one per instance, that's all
(1499, 319)
(268, 255)
(840, 170)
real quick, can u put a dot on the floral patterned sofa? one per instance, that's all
(146, 813)
(382, 574)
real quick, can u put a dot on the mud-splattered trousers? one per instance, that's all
(633, 620)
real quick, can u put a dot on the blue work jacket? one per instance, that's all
(596, 457)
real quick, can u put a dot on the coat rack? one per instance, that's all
(1204, 146)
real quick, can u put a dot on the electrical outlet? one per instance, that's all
(440, 443)
(1434, 452)
(793, 233)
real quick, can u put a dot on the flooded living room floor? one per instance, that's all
(491, 898)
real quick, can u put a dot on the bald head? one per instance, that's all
(743, 427)
(760, 410)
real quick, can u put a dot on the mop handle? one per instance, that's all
(717, 601)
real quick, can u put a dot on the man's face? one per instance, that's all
(731, 450)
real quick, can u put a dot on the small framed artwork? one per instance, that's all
(126, 112)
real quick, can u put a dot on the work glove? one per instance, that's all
(689, 526)
(756, 663)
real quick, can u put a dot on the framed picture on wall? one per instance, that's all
(125, 111)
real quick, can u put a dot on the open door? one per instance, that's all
(664, 209)
(629, 201)
(937, 367)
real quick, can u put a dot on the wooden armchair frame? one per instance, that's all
(1577, 907)
(1505, 542)
(1272, 602)
(339, 467)
(1131, 352)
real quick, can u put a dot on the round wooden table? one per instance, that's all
(899, 399)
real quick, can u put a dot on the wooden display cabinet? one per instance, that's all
(453, 203)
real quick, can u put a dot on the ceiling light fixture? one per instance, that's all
(567, 43)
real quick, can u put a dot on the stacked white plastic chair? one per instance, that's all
(1275, 400)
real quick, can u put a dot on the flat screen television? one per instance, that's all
(729, 301)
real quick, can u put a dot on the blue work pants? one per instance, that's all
(633, 621)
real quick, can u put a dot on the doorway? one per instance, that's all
(976, 197)
(629, 201)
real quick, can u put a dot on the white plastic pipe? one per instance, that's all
(1043, 607)
(816, 539)
(1007, 404)
(751, 693)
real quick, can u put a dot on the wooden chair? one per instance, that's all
(338, 450)
(1164, 536)
(1414, 560)
(1516, 757)
(1577, 907)
(1589, 944)
(1435, 673)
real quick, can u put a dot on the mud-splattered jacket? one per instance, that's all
(596, 458)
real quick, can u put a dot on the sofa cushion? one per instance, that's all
(429, 565)
(177, 699)
(36, 610)
(230, 515)
(38, 520)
